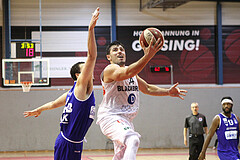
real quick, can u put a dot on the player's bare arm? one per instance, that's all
(60, 101)
(116, 73)
(238, 122)
(84, 84)
(211, 132)
(150, 89)
(154, 90)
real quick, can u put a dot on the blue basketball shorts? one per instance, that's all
(65, 150)
(228, 155)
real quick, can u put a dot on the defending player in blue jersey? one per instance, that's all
(79, 102)
(226, 126)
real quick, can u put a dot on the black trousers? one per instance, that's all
(195, 146)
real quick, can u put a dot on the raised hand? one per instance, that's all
(151, 50)
(95, 16)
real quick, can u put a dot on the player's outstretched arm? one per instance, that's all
(84, 81)
(48, 106)
(116, 73)
(212, 130)
(84, 84)
(154, 90)
(149, 52)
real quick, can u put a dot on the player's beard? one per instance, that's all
(227, 112)
(121, 63)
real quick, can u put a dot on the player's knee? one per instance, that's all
(134, 140)
(137, 141)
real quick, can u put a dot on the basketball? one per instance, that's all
(147, 35)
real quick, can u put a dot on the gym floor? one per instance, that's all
(143, 154)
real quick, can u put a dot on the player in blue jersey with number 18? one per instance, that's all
(226, 126)
(79, 111)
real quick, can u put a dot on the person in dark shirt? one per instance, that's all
(197, 126)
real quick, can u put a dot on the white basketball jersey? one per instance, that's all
(119, 98)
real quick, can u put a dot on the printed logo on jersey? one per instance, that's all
(127, 88)
(231, 135)
(229, 122)
(131, 98)
(131, 81)
(200, 119)
(92, 112)
(67, 109)
(225, 121)
(131, 86)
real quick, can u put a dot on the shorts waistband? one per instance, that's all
(70, 140)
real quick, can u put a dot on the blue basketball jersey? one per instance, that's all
(77, 116)
(228, 134)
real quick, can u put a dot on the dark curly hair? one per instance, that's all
(75, 69)
(117, 43)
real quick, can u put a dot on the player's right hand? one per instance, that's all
(151, 50)
(34, 112)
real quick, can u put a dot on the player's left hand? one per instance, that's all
(95, 16)
(174, 91)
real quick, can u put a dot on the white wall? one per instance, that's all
(77, 13)
(230, 13)
(191, 13)
(59, 12)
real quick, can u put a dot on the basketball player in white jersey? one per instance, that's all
(120, 104)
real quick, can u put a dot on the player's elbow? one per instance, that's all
(92, 55)
(145, 90)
